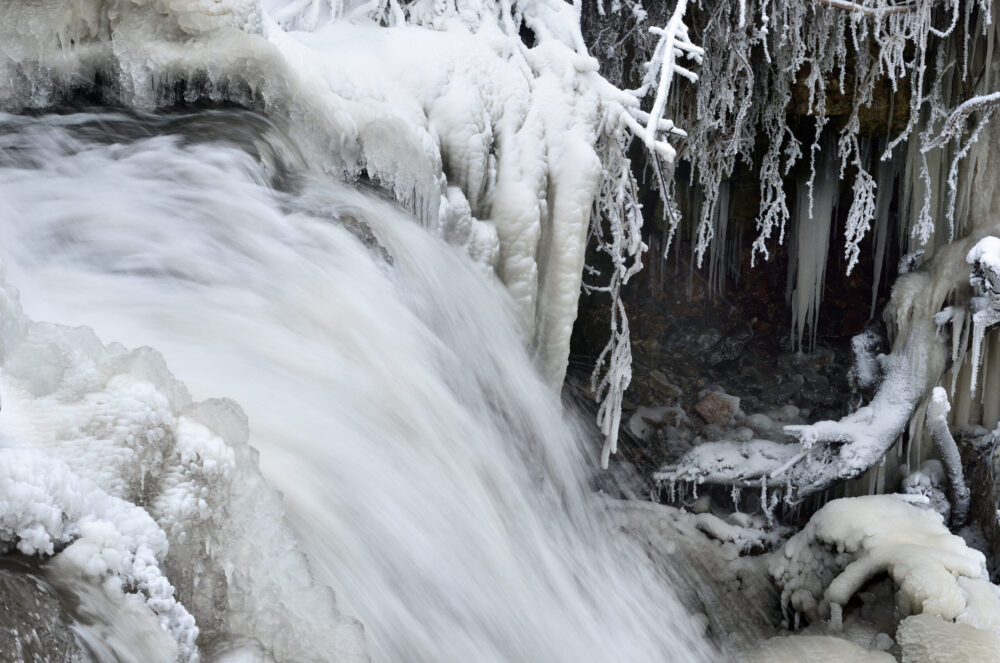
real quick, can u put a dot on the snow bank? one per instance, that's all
(109, 469)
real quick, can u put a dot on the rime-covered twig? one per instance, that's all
(674, 43)
(937, 426)
(953, 125)
(855, 8)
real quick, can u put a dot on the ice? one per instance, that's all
(984, 259)
(816, 201)
(937, 426)
(851, 540)
(387, 386)
(45, 506)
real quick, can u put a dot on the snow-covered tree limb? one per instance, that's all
(674, 43)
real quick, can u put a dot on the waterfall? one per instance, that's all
(429, 474)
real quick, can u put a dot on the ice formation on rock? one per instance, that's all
(852, 540)
(112, 472)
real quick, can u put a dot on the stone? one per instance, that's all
(715, 409)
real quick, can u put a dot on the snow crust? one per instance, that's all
(109, 470)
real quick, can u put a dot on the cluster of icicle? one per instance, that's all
(763, 57)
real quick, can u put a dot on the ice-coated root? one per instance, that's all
(850, 541)
(937, 427)
(143, 499)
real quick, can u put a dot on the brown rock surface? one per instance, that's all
(715, 409)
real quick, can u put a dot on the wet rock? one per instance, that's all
(715, 409)
(32, 622)
(731, 346)
(714, 432)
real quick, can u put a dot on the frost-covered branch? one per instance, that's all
(674, 43)
(876, 11)
(953, 125)
(617, 220)
(616, 227)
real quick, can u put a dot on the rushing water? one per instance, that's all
(435, 483)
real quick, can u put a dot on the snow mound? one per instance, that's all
(109, 470)
(850, 541)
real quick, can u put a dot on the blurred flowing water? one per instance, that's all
(433, 480)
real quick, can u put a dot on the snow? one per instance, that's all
(930, 639)
(44, 505)
(815, 649)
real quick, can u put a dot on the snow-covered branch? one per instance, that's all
(674, 43)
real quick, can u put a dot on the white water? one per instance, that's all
(430, 475)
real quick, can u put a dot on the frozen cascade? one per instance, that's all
(427, 470)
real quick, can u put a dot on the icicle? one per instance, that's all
(888, 172)
(959, 341)
(812, 244)
(717, 264)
